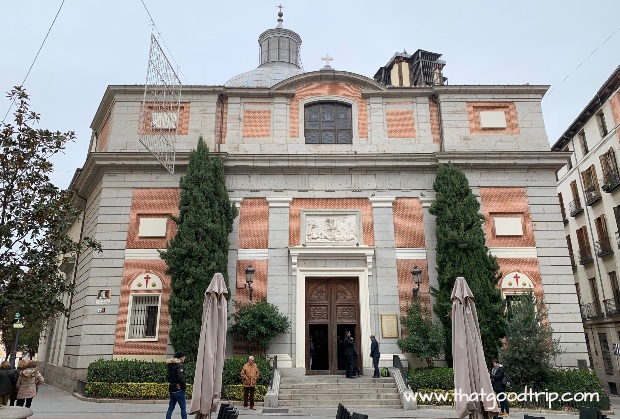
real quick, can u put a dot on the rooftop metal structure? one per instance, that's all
(426, 69)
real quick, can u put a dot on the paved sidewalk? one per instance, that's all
(52, 403)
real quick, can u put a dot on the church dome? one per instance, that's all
(279, 59)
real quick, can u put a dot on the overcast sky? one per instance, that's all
(97, 43)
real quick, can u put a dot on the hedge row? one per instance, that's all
(158, 391)
(572, 381)
(133, 371)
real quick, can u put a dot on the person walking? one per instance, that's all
(349, 353)
(6, 383)
(499, 386)
(176, 384)
(375, 355)
(14, 375)
(28, 384)
(249, 374)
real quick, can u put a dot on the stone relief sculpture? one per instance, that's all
(331, 229)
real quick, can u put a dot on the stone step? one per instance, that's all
(356, 384)
(349, 404)
(338, 390)
(338, 397)
(335, 378)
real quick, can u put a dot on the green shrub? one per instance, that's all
(441, 381)
(133, 371)
(131, 390)
(235, 392)
(435, 378)
(232, 371)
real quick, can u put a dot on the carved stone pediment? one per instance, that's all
(331, 228)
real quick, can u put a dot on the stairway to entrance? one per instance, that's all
(329, 390)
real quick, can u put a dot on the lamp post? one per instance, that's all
(18, 325)
(416, 273)
(249, 278)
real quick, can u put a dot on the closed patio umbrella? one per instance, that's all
(471, 376)
(207, 389)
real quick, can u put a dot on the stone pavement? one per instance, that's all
(51, 403)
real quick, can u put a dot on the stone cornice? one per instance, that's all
(126, 162)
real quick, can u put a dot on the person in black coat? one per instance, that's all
(7, 383)
(497, 379)
(375, 355)
(176, 384)
(350, 353)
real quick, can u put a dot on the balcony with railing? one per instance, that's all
(603, 247)
(572, 260)
(612, 307)
(590, 311)
(574, 208)
(611, 181)
(593, 194)
(585, 256)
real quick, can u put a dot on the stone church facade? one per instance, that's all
(332, 173)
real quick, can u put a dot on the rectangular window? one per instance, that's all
(562, 207)
(328, 123)
(570, 251)
(590, 185)
(143, 317)
(609, 367)
(595, 298)
(576, 204)
(583, 241)
(584, 142)
(611, 179)
(604, 244)
(613, 280)
(602, 125)
(589, 350)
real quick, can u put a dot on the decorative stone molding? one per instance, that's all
(332, 252)
(410, 253)
(253, 254)
(514, 252)
(142, 254)
(279, 201)
(237, 201)
(382, 201)
(331, 228)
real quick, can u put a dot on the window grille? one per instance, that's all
(609, 367)
(328, 123)
(143, 318)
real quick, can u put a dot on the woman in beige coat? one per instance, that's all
(27, 384)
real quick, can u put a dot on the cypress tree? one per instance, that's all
(200, 246)
(461, 251)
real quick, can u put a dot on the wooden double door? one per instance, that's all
(332, 308)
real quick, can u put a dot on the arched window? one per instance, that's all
(327, 123)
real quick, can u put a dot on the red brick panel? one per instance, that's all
(329, 89)
(256, 123)
(434, 111)
(330, 204)
(506, 202)
(183, 122)
(408, 223)
(254, 224)
(131, 270)
(221, 120)
(405, 286)
(509, 109)
(104, 134)
(259, 286)
(527, 266)
(400, 123)
(152, 203)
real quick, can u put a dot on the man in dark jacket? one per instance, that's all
(375, 355)
(176, 381)
(499, 386)
(350, 353)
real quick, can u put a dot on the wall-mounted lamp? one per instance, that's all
(416, 273)
(249, 278)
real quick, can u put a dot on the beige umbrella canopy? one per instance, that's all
(206, 394)
(471, 376)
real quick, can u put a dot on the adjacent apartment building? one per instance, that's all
(589, 193)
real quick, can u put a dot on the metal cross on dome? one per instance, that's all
(280, 7)
(327, 59)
